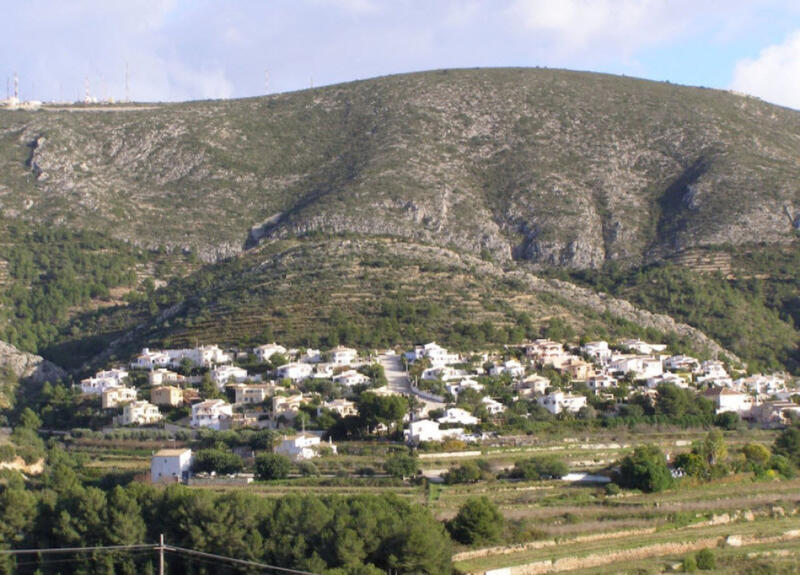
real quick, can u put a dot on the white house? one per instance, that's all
(597, 350)
(512, 367)
(456, 388)
(302, 447)
(534, 384)
(547, 352)
(492, 406)
(443, 373)
(150, 359)
(458, 415)
(762, 384)
(712, 369)
(266, 351)
(643, 366)
(343, 407)
(226, 373)
(350, 378)
(116, 396)
(103, 380)
(295, 371)
(437, 355)
(729, 400)
(287, 406)
(427, 430)
(600, 383)
(643, 347)
(343, 355)
(681, 363)
(558, 401)
(311, 356)
(667, 377)
(171, 465)
(256, 393)
(211, 413)
(162, 376)
(140, 413)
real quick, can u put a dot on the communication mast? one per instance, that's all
(127, 94)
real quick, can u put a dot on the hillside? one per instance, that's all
(548, 166)
(404, 208)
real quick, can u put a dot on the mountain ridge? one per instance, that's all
(545, 166)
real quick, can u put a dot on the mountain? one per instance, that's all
(403, 208)
(546, 166)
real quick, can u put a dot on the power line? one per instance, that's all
(159, 547)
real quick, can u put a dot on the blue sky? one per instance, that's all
(197, 49)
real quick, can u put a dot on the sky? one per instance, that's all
(177, 50)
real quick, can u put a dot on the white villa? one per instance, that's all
(139, 413)
(211, 413)
(597, 350)
(681, 363)
(458, 415)
(534, 384)
(162, 376)
(266, 351)
(667, 377)
(558, 401)
(257, 393)
(729, 400)
(227, 373)
(170, 465)
(437, 355)
(512, 367)
(343, 407)
(294, 371)
(427, 430)
(343, 355)
(492, 406)
(350, 378)
(600, 383)
(643, 347)
(302, 447)
(287, 406)
(103, 380)
(456, 388)
(643, 366)
(116, 396)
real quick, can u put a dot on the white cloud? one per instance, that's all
(354, 6)
(773, 76)
(607, 26)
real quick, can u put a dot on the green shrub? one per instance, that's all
(477, 521)
(689, 564)
(272, 466)
(706, 560)
(7, 452)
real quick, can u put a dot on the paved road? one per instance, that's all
(395, 374)
(399, 383)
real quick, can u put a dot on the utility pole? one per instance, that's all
(161, 556)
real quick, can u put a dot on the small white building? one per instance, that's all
(729, 400)
(302, 447)
(294, 371)
(211, 413)
(685, 363)
(534, 384)
(170, 465)
(464, 384)
(437, 355)
(427, 430)
(150, 359)
(162, 376)
(343, 407)
(712, 369)
(140, 413)
(227, 374)
(643, 366)
(257, 393)
(266, 351)
(350, 378)
(667, 377)
(598, 351)
(558, 401)
(601, 383)
(116, 396)
(512, 368)
(343, 355)
(643, 347)
(287, 407)
(459, 416)
(492, 406)
(103, 380)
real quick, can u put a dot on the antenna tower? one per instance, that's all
(127, 93)
(16, 86)
(86, 95)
